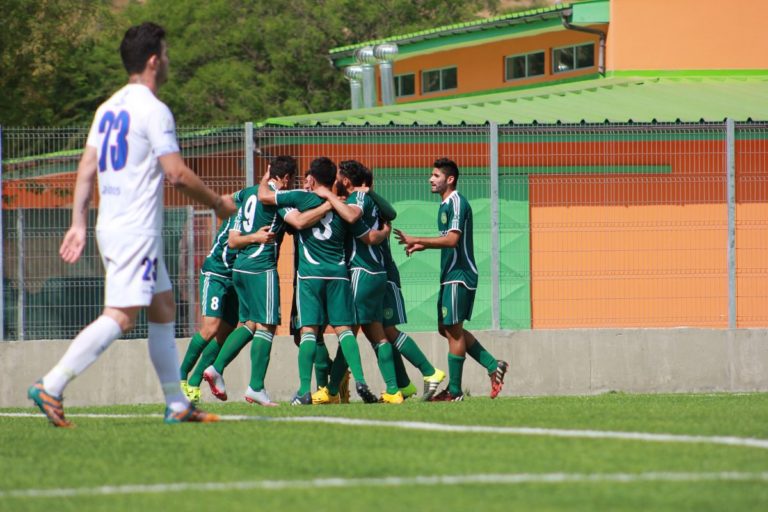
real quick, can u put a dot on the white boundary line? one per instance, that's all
(464, 429)
(431, 480)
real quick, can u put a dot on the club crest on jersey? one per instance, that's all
(443, 218)
(388, 313)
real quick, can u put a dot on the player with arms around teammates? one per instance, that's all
(458, 280)
(131, 147)
(323, 293)
(218, 306)
(256, 280)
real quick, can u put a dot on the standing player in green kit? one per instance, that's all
(458, 280)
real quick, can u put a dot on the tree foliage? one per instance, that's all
(231, 60)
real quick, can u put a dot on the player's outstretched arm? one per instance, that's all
(74, 240)
(350, 214)
(303, 220)
(237, 240)
(190, 184)
(376, 236)
(419, 243)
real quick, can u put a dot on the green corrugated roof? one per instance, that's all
(614, 100)
(453, 29)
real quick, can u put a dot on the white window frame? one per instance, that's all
(526, 55)
(442, 88)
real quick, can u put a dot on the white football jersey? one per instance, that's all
(131, 130)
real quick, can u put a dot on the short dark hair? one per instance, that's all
(448, 167)
(139, 44)
(368, 181)
(282, 165)
(354, 171)
(323, 170)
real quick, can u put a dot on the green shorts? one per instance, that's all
(218, 298)
(259, 296)
(394, 307)
(454, 304)
(368, 293)
(324, 301)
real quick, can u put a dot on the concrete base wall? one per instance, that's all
(571, 362)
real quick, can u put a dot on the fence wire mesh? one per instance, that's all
(597, 226)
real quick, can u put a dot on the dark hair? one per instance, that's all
(139, 44)
(368, 181)
(354, 171)
(282, 165)
(448, 167)
(323, 170)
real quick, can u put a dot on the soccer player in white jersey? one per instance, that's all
(131, 147)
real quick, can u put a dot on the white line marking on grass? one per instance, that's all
(389, 481)
(464, 429)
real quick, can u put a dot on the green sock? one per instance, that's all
(232, 346)
(206, 359)
(261, 347)
(387, 366)
(455, 369)
(411, 351)
(351, 351)
(322, 363)
(482, 356)
(338, 370)
(307, 349)
(402, 376)
(195, 348)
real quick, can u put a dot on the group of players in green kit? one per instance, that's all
(345, 278)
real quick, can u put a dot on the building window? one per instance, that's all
(405, 85)
(573, 57)
(436, 80)
(524, 66)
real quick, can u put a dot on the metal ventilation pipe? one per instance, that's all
(364, 56)
(354, 74)
(386, 53)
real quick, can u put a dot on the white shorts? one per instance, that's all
(135, 268)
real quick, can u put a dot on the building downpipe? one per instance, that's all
(354, 75)
(601, 51)
(365, 58)
(385, 54)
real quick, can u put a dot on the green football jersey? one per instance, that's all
(393, 273)
(221, 258)
(360, 254)
(457, 264)
(252, 216)
(321, 247)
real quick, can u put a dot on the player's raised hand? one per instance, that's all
(224, 207)
(73, 244)
(402, 238)
(412, 248)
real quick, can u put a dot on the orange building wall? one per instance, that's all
(687, 34)
(482, 67)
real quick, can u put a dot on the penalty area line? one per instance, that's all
(391, 481)
(464, 429)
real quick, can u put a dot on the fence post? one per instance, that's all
(249, 177)
(190, 234)
(495, 250)
(20, 274)
(730, 145)
(2, 249)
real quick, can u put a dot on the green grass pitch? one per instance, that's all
(542, 453)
